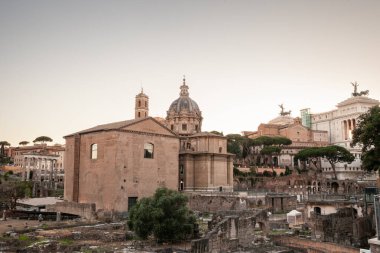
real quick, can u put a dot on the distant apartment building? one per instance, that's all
(40, 162)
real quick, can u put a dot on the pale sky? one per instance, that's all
(69, 65)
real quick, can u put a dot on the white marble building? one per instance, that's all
(340, 123)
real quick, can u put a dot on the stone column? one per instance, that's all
(38, 167)
(24, 168)
(51, 165)
(375, 242)
(349, 128)
(28, 169)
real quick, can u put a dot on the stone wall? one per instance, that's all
(231, 232)
(313, 246)
(343, 227)
(281, 202)
(84, 210)
(215, 203)
(375, 245)
(300, 184)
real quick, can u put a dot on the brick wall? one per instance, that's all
(230, 233)
(313, 246)
(214, 203)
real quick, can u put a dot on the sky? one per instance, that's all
(70, 65)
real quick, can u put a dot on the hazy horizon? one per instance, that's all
(70, 65)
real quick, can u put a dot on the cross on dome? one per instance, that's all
(184, 88)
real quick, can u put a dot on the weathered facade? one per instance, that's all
(291, 128)
(112, 165)
(340, 123)
(115, 164)
(205, 163)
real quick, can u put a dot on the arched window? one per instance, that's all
(139, 103)
(94, 151)
(148, 150)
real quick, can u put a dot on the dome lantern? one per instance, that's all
(184, 116)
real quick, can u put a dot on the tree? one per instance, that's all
(334, 154)
(367, 134)
(311, 155)
(43, 139)
(271, 146)
(165, 215)
(217, 133)
(3, 144)
(4, 177)
(239, 145)
(11, 191)
(23, 143)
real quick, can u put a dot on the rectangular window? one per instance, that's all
(132, 201)
(184, 127)
(148, 150)
(94, 151)
(181, 169)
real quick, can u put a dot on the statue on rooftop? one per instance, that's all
(356, 93)
(283, 112)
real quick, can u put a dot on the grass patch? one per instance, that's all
(277, 232)
(23, 238)
(66, 242)
(44, 226)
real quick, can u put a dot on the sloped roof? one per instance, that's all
(116, 126)
(293, 213)
(39, 201)
(201, 134)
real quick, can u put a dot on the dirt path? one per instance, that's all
(14, 224)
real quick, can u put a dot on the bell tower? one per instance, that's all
(141, 105)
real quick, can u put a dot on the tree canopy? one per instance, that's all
(334, 154)
(165, 215)
(217, 132)
(244, 147)
(43, 139)
(3, 144)
(270, 150)
(367, 133)
(12, 190)
(23, 143)
(275, 140)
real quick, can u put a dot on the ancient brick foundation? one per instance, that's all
(230, 233)
(313, 246)
(215, 203)
(344, 228)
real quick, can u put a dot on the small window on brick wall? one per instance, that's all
(94, 151)
(148, 150)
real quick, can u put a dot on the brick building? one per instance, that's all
(291, 128)
(115, 164)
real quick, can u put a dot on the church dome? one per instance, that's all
(184, 116)
(282, 120)
(184, 103)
